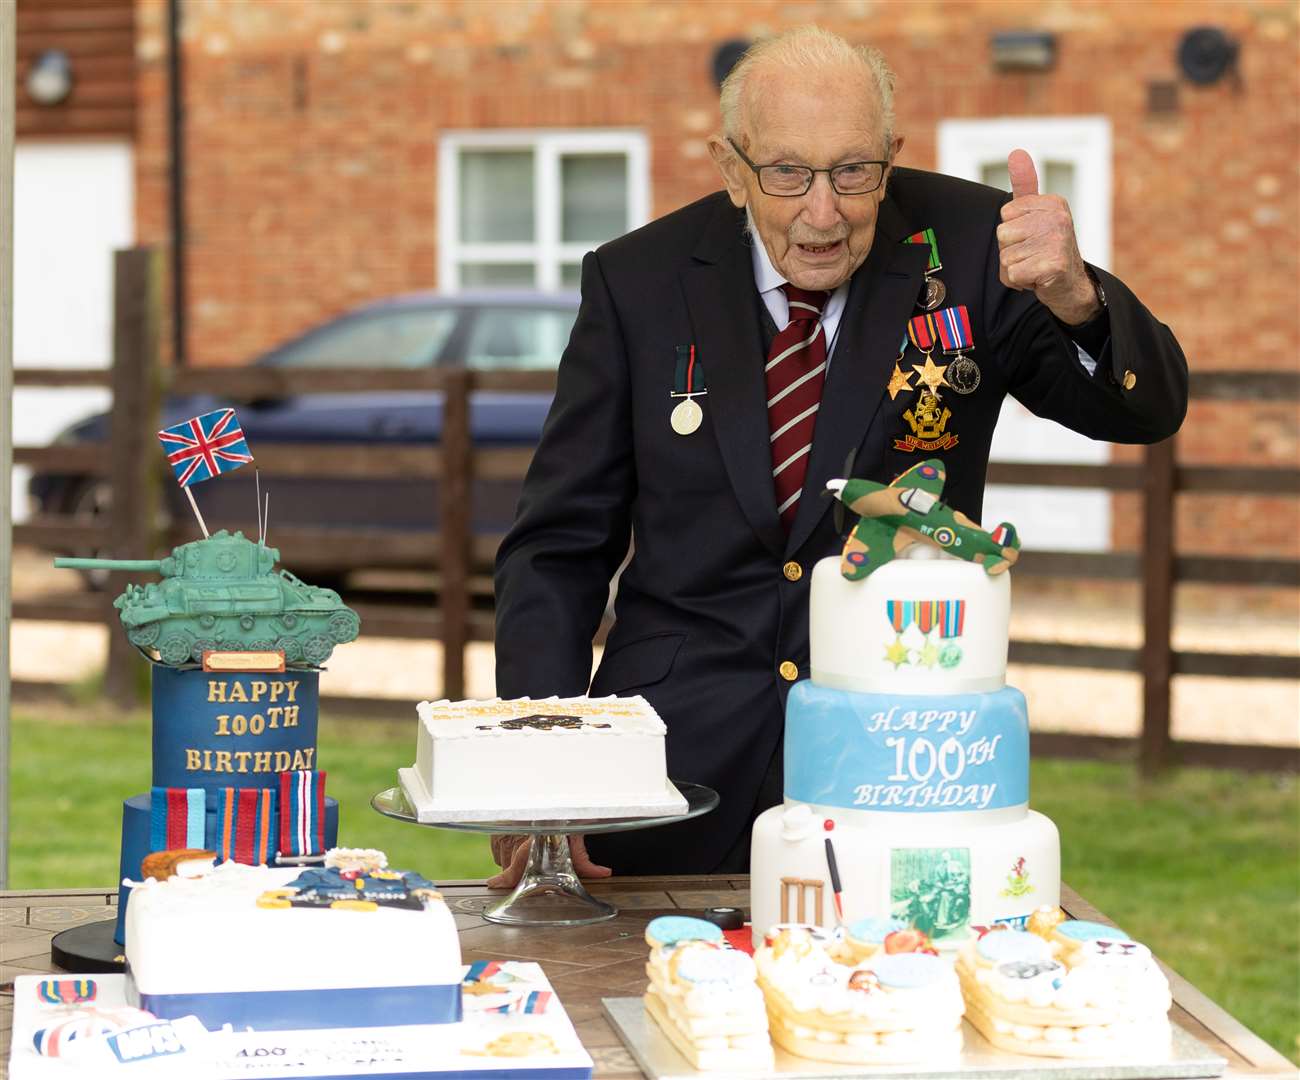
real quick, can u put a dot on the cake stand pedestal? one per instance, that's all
(550, 893)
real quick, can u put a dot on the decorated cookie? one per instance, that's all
(675, 929)
(1076, 931)
(1012, 945)
(67, 991)
(909, 941)
(909, 971)
(874, 930)
(1044, 920)
(1111, 951)
(182, 862)
(360, 859)
(67, 1036)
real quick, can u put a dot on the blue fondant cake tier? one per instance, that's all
(135, 843)
(214, 729)
(907, 753)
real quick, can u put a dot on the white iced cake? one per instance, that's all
(351, 944)
(526, 758)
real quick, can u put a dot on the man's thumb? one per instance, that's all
(1024, 178)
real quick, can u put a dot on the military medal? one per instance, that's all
(934, 291)
(953, 324)
(929, 417)
(688, 384)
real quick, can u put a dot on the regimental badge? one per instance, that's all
(688, 386)
(927, 420)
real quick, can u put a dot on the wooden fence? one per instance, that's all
(132, 468)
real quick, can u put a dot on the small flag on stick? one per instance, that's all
(203, 447)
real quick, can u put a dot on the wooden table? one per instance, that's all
(584, 963)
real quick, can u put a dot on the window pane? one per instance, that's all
(594, 193)
(496, 275)
(518, 338)
(496, 196)
(570, 275)
(995, 174)
(1058, 179)
(390, 339)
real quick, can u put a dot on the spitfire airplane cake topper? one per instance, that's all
(893, 517)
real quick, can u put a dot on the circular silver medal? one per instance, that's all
(935, 292)
(686, 417)
(963, 375)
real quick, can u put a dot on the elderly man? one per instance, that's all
(730, 358)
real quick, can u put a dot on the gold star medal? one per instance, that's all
(898, 381)
(931, 374)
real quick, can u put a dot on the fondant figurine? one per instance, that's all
(224, 593)
(908, 511)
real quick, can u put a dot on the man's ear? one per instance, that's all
(729, 165)
(894, 149)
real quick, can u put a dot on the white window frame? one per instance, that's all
(1084, 141)
(547, 253)
(1063, 520)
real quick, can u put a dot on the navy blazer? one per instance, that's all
(705, 614)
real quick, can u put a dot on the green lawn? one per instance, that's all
(1204, 866)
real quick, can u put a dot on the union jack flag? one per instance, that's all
(205, 447)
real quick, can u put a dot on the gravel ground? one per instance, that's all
(1060, 699)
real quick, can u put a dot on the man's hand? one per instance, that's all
(511, 854)
(1037, 248)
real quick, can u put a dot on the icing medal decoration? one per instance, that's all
(933, 292)
(688, 384)
(948, 617)
(953, 324)
(66, 991)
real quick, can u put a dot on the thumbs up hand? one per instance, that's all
(1037, 249)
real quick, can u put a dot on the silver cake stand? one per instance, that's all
(550, 892)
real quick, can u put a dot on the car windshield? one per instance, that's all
(399, 338)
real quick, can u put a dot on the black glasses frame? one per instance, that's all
(811, 174)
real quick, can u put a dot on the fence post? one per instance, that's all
(454, 513)
(1157, 605)
(133, 450)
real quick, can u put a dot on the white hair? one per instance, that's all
(808, 48)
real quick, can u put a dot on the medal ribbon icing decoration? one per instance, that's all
(302, 812)
(246, 825)
(66, 991)
(176, 818)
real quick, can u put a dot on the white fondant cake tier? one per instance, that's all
(918, 625)
(233, 947)
(939, 877)
(528, 758)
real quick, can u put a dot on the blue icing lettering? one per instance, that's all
(874, 929)
(908, 971)
(670, 929)
(1082, 930)
(1005, 945)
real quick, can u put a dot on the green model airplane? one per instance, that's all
(908, 511)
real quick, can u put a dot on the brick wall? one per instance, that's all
(313, 127)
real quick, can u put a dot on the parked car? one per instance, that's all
(488, 330)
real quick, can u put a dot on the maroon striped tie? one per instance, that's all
(796, 370)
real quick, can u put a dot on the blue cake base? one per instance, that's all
(135, 844)
(297, 1010)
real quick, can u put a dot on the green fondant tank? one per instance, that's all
(225, 593)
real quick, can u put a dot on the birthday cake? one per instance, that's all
(348, 944)
(906, 754)
(517, 759)
(1085, 991)
(234, 751)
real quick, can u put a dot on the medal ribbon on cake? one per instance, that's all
(954, 328)
(66, 991)
(900, 613)
(689, 377)
(927, 614)
(302, 812)
(954, 618)
(245, 825)
(926, 236)
(534, 1002)
(921, 330)
(177, 817)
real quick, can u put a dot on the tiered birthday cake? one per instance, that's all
(234, 751)
(906, 754)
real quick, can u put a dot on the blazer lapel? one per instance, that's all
(720, 297)
(882, 297)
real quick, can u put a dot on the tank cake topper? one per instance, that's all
(895, 516)
(223, 594)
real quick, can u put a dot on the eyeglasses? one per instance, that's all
(851, 178)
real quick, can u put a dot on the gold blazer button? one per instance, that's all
(792, 571)
(789, 670)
